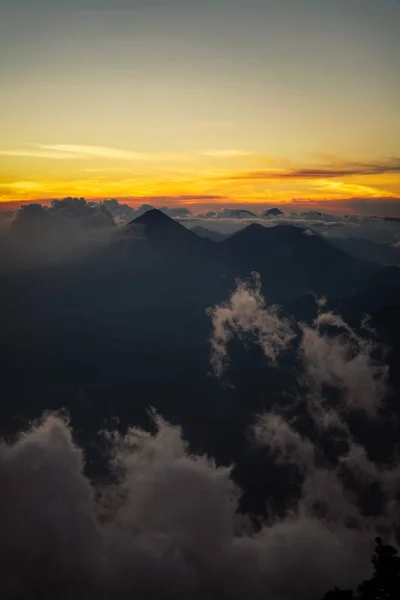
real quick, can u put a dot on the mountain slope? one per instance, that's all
(384, 254)
(160, 229)
(215, 236)
(293, 261)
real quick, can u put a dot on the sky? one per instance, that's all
(201, 103)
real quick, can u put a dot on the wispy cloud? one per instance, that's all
(345, 169)
(37, 154)
(98, 151)
(340, 187)
(177, 199)
(226, 153)
(74, 151)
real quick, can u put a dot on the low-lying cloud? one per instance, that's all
(334, 358)
(245, 313)
(62, 229)
(168, 528)
(331, 353)
(377, 230)
(344, 361)
(167, 524)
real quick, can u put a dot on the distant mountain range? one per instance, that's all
(125, 326)
(291, 260)
(378, 252)
(133, 301)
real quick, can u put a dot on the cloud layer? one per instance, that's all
(63, 229)
(379, 230)
(167, 529)
(331, 170)
(167, 526)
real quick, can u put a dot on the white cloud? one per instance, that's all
(338, 358)
(39, 154)
(167, 524)
(245, 312)
(343, 361)
(167, 528)
(81, 151)
(331, 355)
(284, 442)
(97, 151)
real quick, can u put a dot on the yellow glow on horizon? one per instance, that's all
(223, 176)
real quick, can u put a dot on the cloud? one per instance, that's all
(122, 213)
(343, 361)
(333, 357)
(378, 230)
(98, 151)
(90, 214)
(167, 528)
(226, 153)
(376, 207)
(79, 151)
(166, 524)
(61, 230)
(244, 313)
(325, 494)
(176, 211)
(65, 228)
(180, 198)
(332, 354)
(345, 169)
(39, 154)
(340, 187)
(284, 442)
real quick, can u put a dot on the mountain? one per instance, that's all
(127, 309)
(293, 261)
(215, 236)
(383, 254)
(126, 327)
(159, 232)
(156, 222)
(230, 213)
(273, 212)
(143, 208)
(133, 310)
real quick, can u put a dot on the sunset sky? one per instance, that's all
(201, 102)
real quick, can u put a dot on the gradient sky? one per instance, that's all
(201, 102)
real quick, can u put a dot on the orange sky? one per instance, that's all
(204, 179)
(201, 103)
